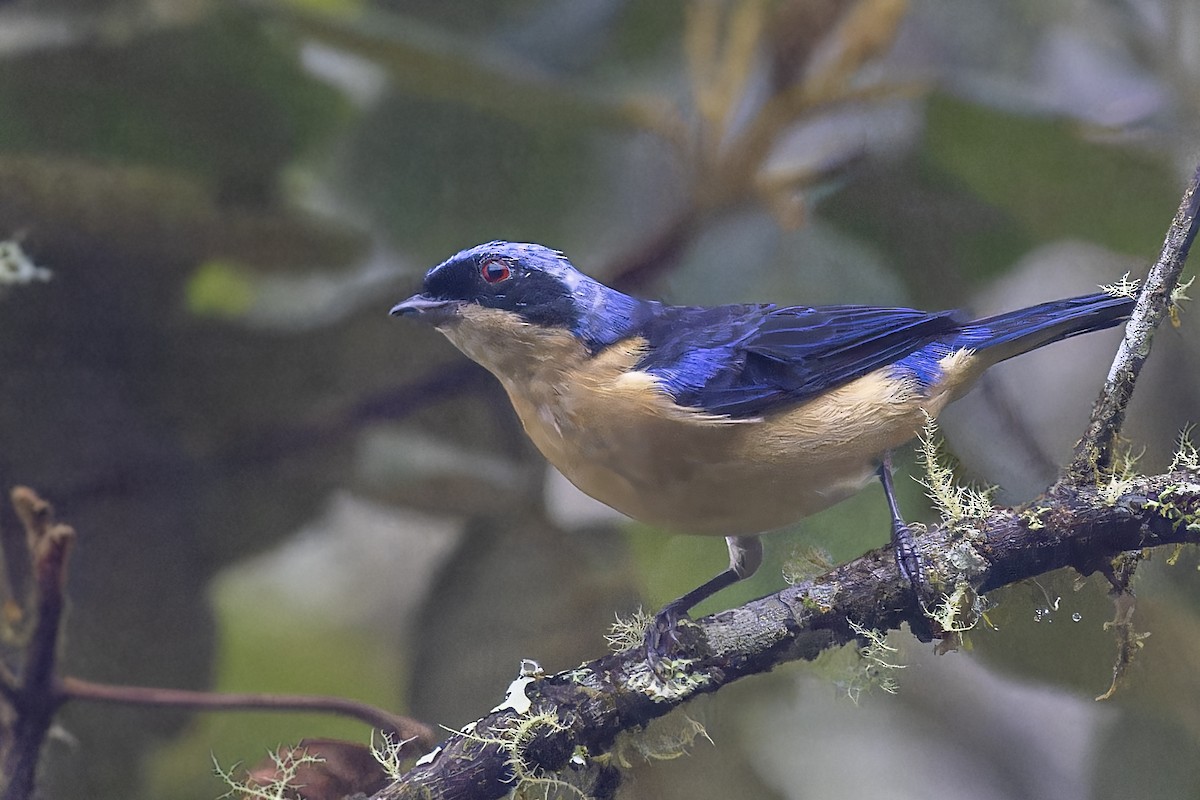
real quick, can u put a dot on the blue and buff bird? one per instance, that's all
(730, 420)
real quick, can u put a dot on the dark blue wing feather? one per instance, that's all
(746, 360)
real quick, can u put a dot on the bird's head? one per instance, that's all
(509, 288)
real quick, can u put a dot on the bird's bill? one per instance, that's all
(427, 308)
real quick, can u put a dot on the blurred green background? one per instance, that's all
(278, 488)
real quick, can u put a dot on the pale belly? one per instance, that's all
(720, 497)
(693, 474)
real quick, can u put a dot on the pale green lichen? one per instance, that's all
(1034, 517)
(281, 786)
(1186, 457)
(877, 665)
(962, 559)
(1129, 641)
(805, 564)
(513, 738)
(673, 680)
(674, 677)
(1178, 296)
(663, 739)
(1180, 516)
(958, 561)
(390, 753)
(584, 676)
(1123, 288)
(961, 610)
(1121, 478)
(627, 632)
(514, 735)
(954, 501)
(820, 596)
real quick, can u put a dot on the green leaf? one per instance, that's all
(1050, 178)
(223, 100)
(220, 289)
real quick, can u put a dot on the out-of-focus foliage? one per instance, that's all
(279, 488)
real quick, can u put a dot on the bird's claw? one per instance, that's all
(911, 566)
(662, 636)
(908, 561)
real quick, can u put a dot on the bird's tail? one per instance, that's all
(1015, 332)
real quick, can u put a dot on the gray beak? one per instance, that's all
(427, 308)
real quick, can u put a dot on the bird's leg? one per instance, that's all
(745, 557)
(907, 560)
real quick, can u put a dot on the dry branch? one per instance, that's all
(31, 694)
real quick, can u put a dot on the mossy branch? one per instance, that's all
(597, 701)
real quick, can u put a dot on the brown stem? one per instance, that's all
(405, 727)
(33, 697)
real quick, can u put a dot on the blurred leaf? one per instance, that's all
(1048, 177)
(148, 215)
(940, 236)
(643, 28)
(865, 32)
(428, 62)
(465, 175)
(223, 101)
(219, 289)
(327, 6)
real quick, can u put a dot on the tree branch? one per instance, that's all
(1094, 453)
(404, 728)
(553, 727)
(589, 706)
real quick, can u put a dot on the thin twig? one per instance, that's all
(404, 727)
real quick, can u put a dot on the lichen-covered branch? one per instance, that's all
(1094, 453)
(560, 724)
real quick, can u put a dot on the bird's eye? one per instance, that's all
(495, 270)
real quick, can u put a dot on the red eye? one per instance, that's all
(495, 270)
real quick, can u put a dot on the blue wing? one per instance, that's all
(747, 360)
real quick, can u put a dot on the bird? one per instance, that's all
(730, 420)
